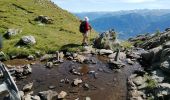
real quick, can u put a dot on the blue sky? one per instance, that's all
(110, 5)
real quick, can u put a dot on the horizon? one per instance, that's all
(78, 6)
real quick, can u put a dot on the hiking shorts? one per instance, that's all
(85, 34)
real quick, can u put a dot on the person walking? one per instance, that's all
(85, 29)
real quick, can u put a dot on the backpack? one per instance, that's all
(82, 27)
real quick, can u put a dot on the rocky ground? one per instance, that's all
(90, 75)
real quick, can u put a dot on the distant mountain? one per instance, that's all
(130, 23)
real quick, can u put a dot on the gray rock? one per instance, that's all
(86, 86)
(163, 89)
(46, 57)
(129, 61)
(105, 52)
(35, 97)
(12, 32)
(139, 80)
(27, 87)
(77, 81)
(27, 69)
(49, 64)
(165, 66)
(28, 40)
(27, 97)
(62, 95)
(166, 45)
(30, 57)
(44, 19)
(48, 95)
(88, 98)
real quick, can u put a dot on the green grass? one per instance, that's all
(50, 37)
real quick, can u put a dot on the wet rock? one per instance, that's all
(135, 95)
(27, 87)
(49, 64)
(62, 95)
(80, 58)
(90, 61)
(88, 98)
(48, 95)
(77, 81)
(105, 52)
(27, 69)
(30, 57)
(116, 64)
(35, 97)
(21, 93)
(163, 89)
(28, 40)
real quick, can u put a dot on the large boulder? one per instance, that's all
(28, 40)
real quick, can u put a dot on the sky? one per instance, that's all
(110, 5)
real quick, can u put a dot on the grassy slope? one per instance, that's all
(48, 37)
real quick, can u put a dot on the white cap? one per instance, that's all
(86, 18)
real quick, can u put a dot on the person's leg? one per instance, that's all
(86, 37)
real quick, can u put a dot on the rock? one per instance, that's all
(88, 98)
(27, 69)
(62, 95)
(21, 93)
(105, 52)
(166, 45)
(27, 87)
(49, 64)
(27, 97)
(12, 32)
(28, 40)
(44, 19)
(80, 58)
(52, 87)
(165, 55)
(3, 56)
(35, 97)
(30, 57)
(115, 64)
(135, 95)
(48, 95)
(77, 81)
(163, 89)
(129, 61)
(86, 86)
(139, 80)
(165, 66)
(46, 57)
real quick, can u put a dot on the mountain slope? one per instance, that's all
(50, 37)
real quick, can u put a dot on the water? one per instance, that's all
(107, 85)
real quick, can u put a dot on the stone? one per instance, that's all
(52, 87)
(135, 95)
(12, 32)
(86, 86)
(116, 64)
(88, 98)
(47, 95)
(30, 57)
(35, 97)
(46, 57)
(105, 52)
(28, 40)
(21, 93)
(77, 81)
(129, 61)
(166, 45)
(80, 58)
(139, 80)
(44, 19)
(62, 95)
(27, 87)
(165, 66)
(49, 64)
(27, 69)
(27, 97)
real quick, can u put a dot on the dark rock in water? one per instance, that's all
(52, 87)
(86, 86)
(116, 64)
(49, 64)
(27, 69)
(89, 61)
(48, 95)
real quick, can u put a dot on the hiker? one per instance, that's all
(84, 29)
